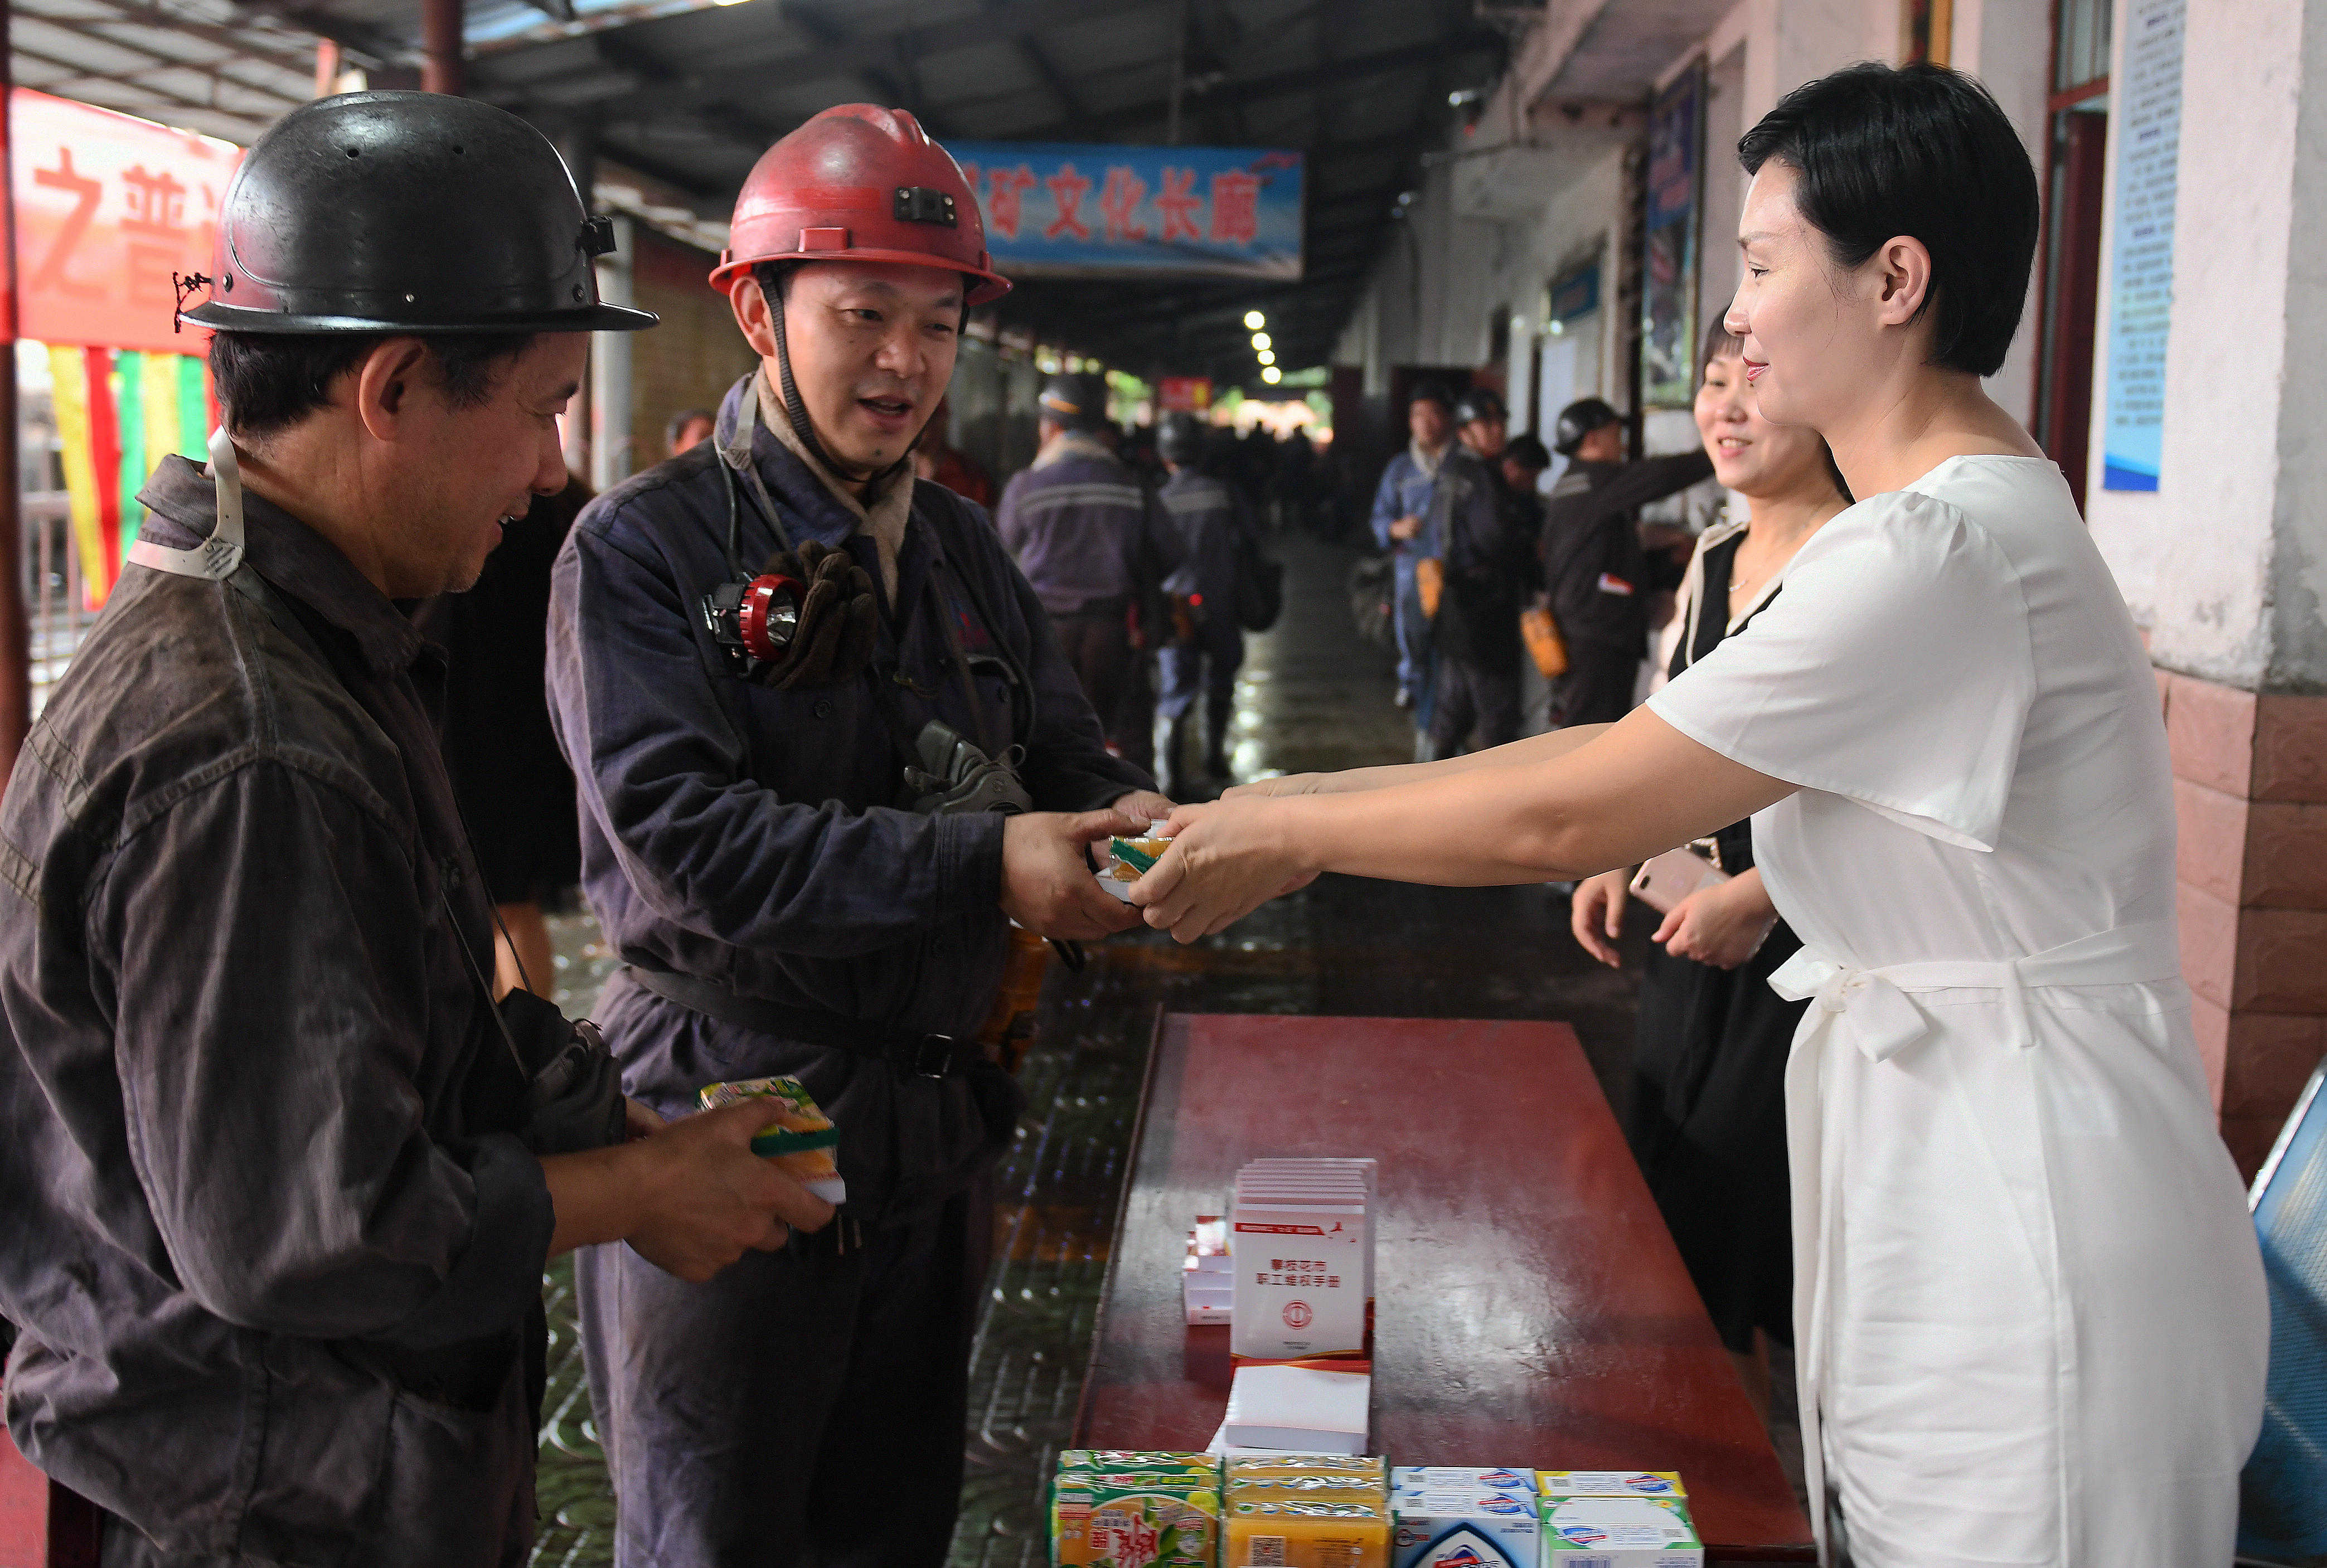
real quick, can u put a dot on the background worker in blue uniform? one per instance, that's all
(1596, 568)
(1405, 522)
(280, 1178)
(804, 876)
(1093, 541)
(1216, 532)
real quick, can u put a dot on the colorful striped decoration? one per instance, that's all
(119, 413)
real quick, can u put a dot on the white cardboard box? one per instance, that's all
(1298, 1409)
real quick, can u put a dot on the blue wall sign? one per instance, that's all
(1065, 210)
(2148, 133)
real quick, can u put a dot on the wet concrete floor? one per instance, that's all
(1313, 695)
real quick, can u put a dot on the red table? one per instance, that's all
(1530, 1307)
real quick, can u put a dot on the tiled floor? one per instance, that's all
(1312, 696)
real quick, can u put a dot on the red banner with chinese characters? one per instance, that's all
(1184, 394)
(108, 207)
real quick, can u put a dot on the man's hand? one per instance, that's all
(1406, 527)
(1226, 859)
(1047, 882)
(690, 1196)
(1722, 925)
(1144, 806)
(1595, 913)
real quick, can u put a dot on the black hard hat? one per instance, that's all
(1527, 452)
(1183, 438)
(406, 212)
(1432, 392)
(1580, 419)
(1480, 403)
(1076, 399)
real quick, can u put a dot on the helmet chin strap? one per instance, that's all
(215, 558)
(796, 411)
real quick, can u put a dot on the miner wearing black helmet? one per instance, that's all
(1599, 573)
(282, 1177)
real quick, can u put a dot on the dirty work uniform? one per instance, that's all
(275, 1253)
(806, 1406)
(1491, 569)
(1408, 488)
(1215, 530)
(1600, 577)
(1095, 544)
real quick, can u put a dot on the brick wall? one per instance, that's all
(695, 355)
(2250, 791)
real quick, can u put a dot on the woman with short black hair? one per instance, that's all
(2029, 1311)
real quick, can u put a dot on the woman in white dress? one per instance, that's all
(2029, 1313)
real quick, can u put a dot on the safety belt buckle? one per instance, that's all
(932, 1056)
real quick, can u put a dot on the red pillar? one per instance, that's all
(440, 43)
(16, 631)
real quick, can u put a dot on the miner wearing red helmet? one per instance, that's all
(828, 751)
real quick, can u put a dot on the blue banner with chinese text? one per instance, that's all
(1072, 209)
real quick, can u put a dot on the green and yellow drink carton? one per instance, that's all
(1135, 1519)
(799, 1136)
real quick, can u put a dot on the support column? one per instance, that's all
(441, 49)
(16, 631)
(2225, 562)
(613, 455)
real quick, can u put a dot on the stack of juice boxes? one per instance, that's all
(1450, 1518)
(1117, 1508)
(1292, 1510)
(1616, 1519)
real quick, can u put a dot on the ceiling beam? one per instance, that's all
(746, 74)
(228, 38)
(80, 73)
(215, 68)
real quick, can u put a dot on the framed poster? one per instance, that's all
(2148, 136)
(1673, 214)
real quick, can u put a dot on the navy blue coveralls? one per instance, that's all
(806, 1406)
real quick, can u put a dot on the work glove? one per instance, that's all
(839, 622)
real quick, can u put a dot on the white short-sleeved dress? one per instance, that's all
(2029, 1310)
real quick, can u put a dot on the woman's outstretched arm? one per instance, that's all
(1637, 788)
(1540, 748)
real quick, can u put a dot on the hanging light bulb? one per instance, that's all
(1253, 321)
(1267, 356)
(1271, 374)
(1261, 340)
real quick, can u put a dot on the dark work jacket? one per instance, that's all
(1599, 575)
(1216, 532)
(1085, 531)
(276, 1263)
(1491, 569)
(754, 837)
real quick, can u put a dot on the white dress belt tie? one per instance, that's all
(1876, 1009)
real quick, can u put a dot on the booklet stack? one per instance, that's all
(1207, 1282)
(1301, 1238)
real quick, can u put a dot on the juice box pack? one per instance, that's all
(1163, 1518)
(799, 1136)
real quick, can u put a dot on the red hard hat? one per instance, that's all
(860, 182)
